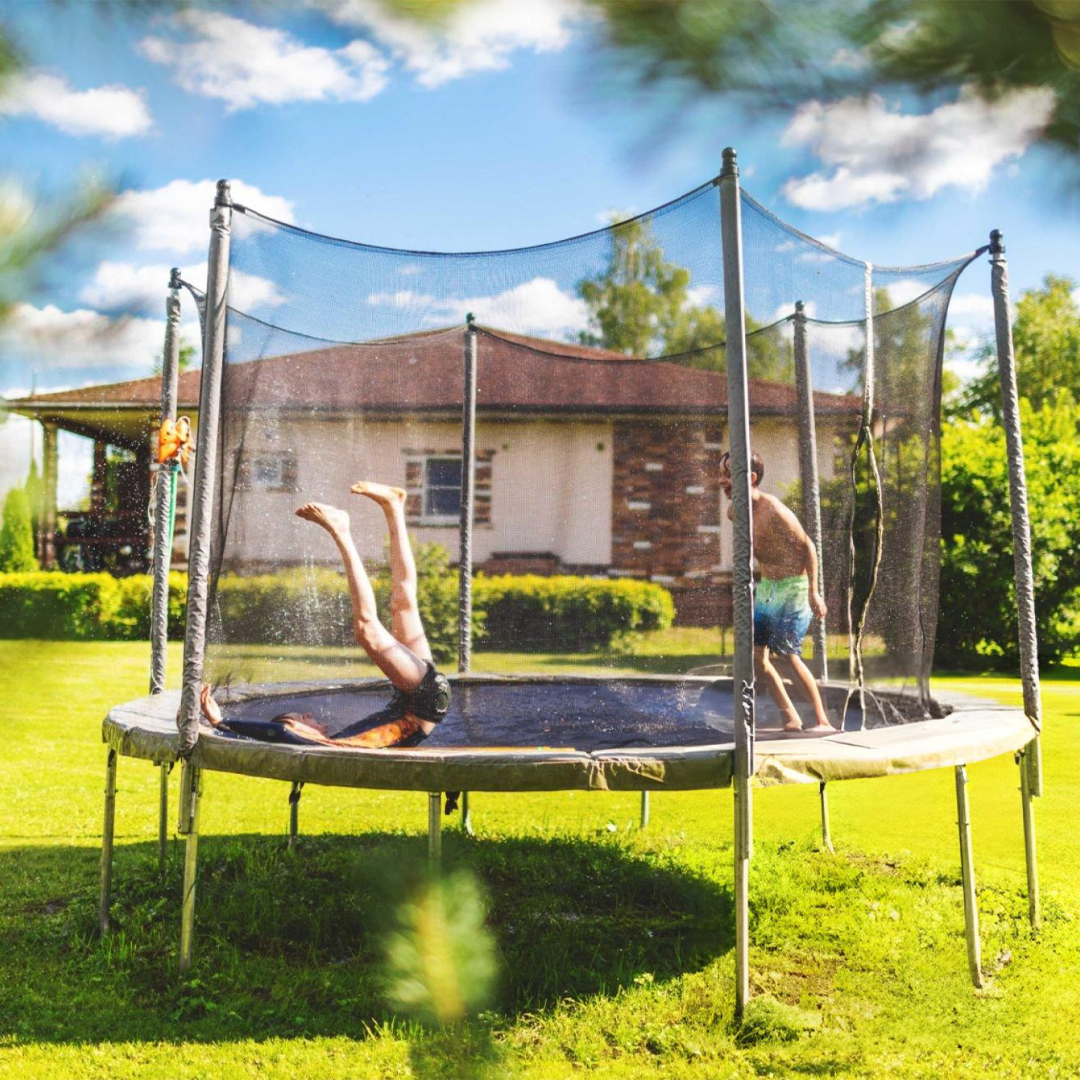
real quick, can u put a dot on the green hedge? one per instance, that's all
(310, 606)
(530, 612)
(84, 607)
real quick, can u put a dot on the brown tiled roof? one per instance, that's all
(424, 373)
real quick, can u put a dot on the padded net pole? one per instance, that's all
(468, 488)
(163, 495)
(742, 581)
(1021, 522)
(217, 287)
(808, 473)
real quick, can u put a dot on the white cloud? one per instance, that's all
(127, 286)
(220, 56)
(175, 217)
(972, 306)
(114, 112)
(475, 37)
(876, 153)
(538, 306)
(50, 337)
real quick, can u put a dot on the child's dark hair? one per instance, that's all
(757, 466)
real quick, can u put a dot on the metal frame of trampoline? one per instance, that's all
(147, 728)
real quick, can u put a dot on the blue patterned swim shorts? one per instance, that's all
(782, 614)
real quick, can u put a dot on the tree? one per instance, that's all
(642, 305)
(34, 488)
(16, 535)
(1046, 339)
(780, 55)
(978, 598)
(185, 358)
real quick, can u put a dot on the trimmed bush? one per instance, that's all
(530, 612)
(311, 606)
(68, 607)
(17, 535)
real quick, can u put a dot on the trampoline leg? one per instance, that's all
(826, 833)
(1029, 838)
(644, 809)
(163, 816)
(743, 844)
(190, 791)
(105, 897)
(466, 815)
(967, 870)
(294, 812)
(434, 825)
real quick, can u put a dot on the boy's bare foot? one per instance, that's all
(333, 520)
(793, 722)
(383, 494)
(210, 708)
(823, 725)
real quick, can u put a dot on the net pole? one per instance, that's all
(808, 473)
(742, 561)
(1021, 521)
(164, 517)
(170, 375)
(468, 488)
(202, 500)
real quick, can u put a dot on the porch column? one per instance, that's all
(97, 478)
(48, 496)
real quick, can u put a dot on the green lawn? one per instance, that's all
(614, 946)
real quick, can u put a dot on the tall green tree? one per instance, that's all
(1046, 338)
(643, 305)
(16, 535)
(34, 488)
(978, 597)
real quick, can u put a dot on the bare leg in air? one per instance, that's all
(403, 655)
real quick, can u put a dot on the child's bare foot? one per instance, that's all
(383, 494)
(333, 520)
(823, 725)
(793, 722)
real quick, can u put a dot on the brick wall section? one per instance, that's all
(666, 513)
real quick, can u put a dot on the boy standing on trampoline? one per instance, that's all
(402, 653)
(786, 599)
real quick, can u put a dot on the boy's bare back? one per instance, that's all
(779, 539)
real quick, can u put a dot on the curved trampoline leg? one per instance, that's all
(163, 816)
(434, 824)
(294, 812)
(105, 894)
(826, 832)
(1029, 836)
(967, 871)
(466, 815)
(190, 791)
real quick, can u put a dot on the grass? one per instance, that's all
(614, 945)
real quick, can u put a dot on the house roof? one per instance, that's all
(423, 373)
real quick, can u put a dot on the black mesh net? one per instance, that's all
(601, 538)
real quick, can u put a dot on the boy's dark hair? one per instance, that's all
(757, 466)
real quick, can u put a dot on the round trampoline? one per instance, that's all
(544, 733)
(602, 472)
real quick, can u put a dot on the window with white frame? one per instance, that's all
(441, 491)
(268, 472)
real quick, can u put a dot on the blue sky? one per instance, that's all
(506, 131)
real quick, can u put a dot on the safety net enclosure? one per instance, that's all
(601, 418)
(588, 435)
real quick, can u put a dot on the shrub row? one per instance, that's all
(310, 606)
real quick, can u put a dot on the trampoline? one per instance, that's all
(558, 434)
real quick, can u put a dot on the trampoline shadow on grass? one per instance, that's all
(293, 942)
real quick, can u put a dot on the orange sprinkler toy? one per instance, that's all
(174, 441)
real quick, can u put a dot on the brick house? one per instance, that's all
(587, 462)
